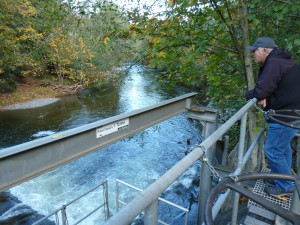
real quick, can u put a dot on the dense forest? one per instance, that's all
(200, 43)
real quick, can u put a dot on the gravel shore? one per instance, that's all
(31, 104)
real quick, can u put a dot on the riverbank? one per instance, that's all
(31, 104)
(34, 93)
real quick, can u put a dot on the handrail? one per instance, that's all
(150, 194)
(63, 208)
(186, 211)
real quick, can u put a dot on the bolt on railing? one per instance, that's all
(62, 210)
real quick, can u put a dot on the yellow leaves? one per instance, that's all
(134, 33)
(23, 37)
(171, 3)
(25, 73)
(3, 28)
(72, 58)
(156, 41)
(26, 10)
(105, 40)
(133, 26)
(162, 54)
(29, 30)
(10, 42)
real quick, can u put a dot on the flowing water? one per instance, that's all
(139, 160)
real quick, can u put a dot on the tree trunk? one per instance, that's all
(252, 164)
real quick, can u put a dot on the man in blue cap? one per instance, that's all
(278, 88)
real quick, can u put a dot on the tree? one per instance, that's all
(17, 38)
(204, 41)
(277, 19)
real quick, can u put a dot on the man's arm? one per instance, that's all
(267, 81)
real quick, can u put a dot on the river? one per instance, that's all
(139, 160)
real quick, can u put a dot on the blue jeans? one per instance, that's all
(278, 151)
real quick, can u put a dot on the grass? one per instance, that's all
(30, 89)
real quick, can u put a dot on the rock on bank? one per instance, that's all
(31, 104)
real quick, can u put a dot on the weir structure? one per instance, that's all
(26, 161)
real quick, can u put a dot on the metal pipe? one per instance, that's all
(46, 217)
(174, 205)
(220, 201)
(218, 204)
(117, 197)
(296, 203)
(138, 204)
(205, 177)
(151, 214)
(186, 211)
(87, 215)
(160, 199)
(64, 216)
(225, 151)
(249, 152)
(239, 165)
(106, 207)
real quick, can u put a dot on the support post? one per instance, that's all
(225, 150)
(209, 119)
(296, 202)
(64, 216)
(239, 166)
(105, 197)
(151, 214)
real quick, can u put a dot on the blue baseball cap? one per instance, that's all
(263, 42)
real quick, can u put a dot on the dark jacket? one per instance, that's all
(278, 82)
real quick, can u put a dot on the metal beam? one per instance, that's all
(25, 161)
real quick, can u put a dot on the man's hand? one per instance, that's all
(262, 102)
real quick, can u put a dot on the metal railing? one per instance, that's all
(147, 200)
(118, 201)
(63, 214)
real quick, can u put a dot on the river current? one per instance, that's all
(139, 160)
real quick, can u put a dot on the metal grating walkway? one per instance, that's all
(259, 190)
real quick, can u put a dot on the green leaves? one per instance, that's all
(197, 42)
(17, 39)
(201, 42)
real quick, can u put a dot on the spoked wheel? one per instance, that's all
(229, 183)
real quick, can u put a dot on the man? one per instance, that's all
(278, 88)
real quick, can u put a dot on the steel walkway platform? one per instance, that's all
(258, 215)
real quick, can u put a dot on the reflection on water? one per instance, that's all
(138, 160)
